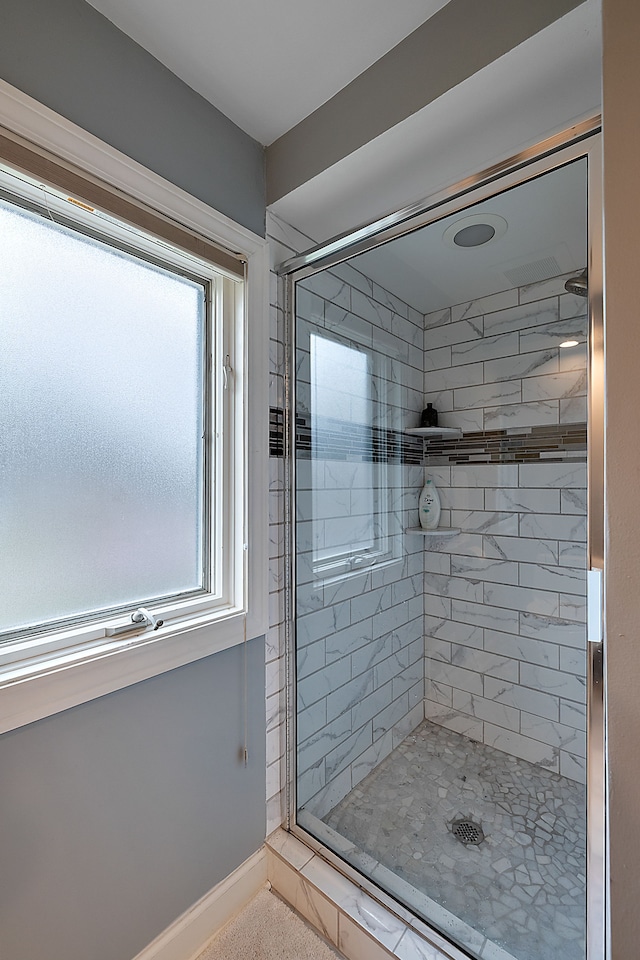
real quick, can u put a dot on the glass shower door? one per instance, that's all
(441, 676)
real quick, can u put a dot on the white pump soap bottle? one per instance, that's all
(429, 505)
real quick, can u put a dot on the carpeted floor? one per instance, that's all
(267, 929)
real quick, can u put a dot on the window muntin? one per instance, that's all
(142, 523)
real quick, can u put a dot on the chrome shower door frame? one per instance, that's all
(582, 141)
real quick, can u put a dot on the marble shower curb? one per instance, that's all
(361, 927)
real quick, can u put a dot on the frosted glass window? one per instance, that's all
(101, 415)
(344, 492)
(340, 382)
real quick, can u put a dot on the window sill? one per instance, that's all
(33, 690)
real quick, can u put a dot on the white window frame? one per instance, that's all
(40, 676)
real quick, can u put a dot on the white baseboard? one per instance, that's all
(188, 936)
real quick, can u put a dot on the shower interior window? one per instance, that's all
(350, 489)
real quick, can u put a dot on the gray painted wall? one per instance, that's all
(69, 57)
(117, 815)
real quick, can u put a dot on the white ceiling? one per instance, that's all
(267, 64)
(546, 218)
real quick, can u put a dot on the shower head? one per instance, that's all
(578, 285)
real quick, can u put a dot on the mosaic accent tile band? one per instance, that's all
(340, 440)
(549, 443)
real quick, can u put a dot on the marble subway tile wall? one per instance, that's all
(360, 632)
(505, 634)
(284, 242)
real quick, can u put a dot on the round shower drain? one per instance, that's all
(467, 832)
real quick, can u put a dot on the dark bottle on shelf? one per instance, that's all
(429, 417)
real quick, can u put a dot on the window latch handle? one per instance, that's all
(141, 619)
(227, 370)
(142, 615)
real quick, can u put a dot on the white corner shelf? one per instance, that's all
(436, 532)
(434, 431)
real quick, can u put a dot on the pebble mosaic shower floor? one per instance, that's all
(522, 888)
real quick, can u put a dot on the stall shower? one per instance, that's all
(441, 676)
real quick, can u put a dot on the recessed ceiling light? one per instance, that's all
(474, 231)
(569, 343)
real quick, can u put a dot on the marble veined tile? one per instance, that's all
(484, 305)
(552, 629)
(555, 734)
(390, 300)
(490, 395)
(290, 849)
(565, 685)
(483, 709)
(355, 278)
(522, 501)
(453, 631)
(464, 375)
(529, 550)
(483, 662)
(574, 358)
(354, 903)
(437, 318)
(455, 586)
(573, 500)
(485, 475)
(523, 365)
(320, 684)
(437, 359)
(515, 744)
(371, 706)
(545, 288)
(319, 744)
(522, 598)
(414, 947)
(573, 410)
(329, 286)
(562, 579)
(348, 324)
(284, 233)
(522, 698)
(486, 521)
(511, 415)
(368, 308)
(309, 306)
(551, 335)
(547, 526)
(341, 701)
(488, 349)
(450, 333)
(572, 305)
(482, 615)
(573, 606)
(557, 386)
(523, 648)
(344, 754)
(525, 316)
(564, 475)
